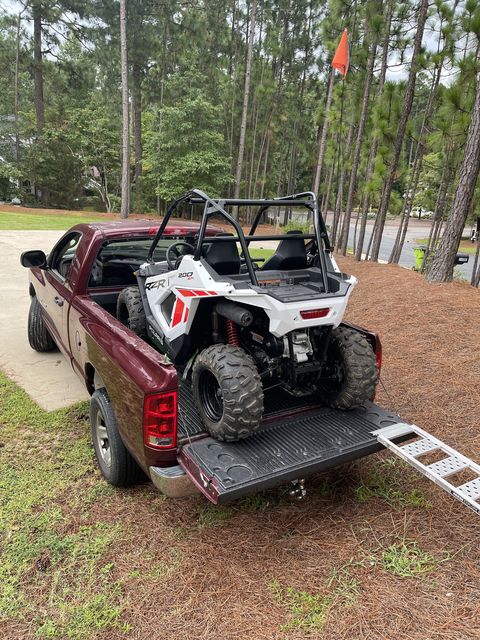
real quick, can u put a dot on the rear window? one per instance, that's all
(134, 249)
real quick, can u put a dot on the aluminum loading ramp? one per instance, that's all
(450, 463)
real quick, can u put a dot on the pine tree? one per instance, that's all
(444, 260)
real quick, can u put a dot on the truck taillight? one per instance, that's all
(311, 314)
(160, 421)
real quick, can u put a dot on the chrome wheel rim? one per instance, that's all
(102, 439)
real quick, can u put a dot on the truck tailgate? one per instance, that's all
(283, 450)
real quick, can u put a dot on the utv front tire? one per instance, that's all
(38, 336)
(228, 392)
(130, 311)
(350, 374)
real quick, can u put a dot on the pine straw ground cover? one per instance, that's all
(375, 551)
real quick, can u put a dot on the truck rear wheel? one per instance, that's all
(116, 464)
(228, 392)
(130, 311)
(350, 373)
(38, 336)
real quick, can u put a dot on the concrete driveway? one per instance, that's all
(47, 377)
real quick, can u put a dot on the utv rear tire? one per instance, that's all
(228, 392)
(38, 336)
(116, 464)
(353, 370)
(130, 311)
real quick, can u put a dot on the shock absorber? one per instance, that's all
(232, 333)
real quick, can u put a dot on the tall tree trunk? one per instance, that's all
(265, 165)
(402, 125)
(356, 154)
(125, 206)
(137, 132)
(246, 92)
(328, 192)
(341, 182)
(17, 88)
(373, 149)
(38, 67)
(407, 207)
(443, 262)
(475, 280)
(418, 161)
(323, 135)
(437, 216)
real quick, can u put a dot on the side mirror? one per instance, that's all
(34, 259)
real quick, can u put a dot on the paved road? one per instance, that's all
(415, 231)
(47, 377)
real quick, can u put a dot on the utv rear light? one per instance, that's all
(160, 421)
(311, 314)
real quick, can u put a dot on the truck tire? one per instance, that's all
(38, 336)
(130, 311)
(350, 373)
(228, 392)
(116, 464)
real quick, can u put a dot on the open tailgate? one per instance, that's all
(283, 450)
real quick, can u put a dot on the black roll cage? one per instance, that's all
(307, 199)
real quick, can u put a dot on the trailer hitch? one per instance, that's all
(298, 491)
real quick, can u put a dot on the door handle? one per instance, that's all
(58, 300)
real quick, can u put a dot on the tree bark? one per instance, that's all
(341, 182)
(356, 154)
(246, 93)
(17, 88)
(137, 132)
(418, 161)
(475, 280)
(373, 150)
(402, 126)
(38, 67)
(443, 262)
(125, 206)
(323, 135)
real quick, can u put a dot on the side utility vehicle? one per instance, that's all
(277, 326)
(236, 325)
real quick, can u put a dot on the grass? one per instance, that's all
(381, 482)
(17, 221)
(261, 253)
(405, 559)
(310, 611)
(211, 515)
(54, 575)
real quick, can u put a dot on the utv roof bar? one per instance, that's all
(217, 206)
(277, 202)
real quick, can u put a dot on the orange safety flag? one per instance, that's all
(340, 59)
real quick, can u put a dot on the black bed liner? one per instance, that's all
(285, 448)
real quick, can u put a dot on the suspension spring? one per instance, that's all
(232, 333)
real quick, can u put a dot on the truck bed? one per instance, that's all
(296, 439)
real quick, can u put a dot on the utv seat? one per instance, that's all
(222, 256)
(290, 254)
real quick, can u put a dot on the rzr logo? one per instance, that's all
(188, 274)
(156, 285)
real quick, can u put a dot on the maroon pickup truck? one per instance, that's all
(143, 418)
